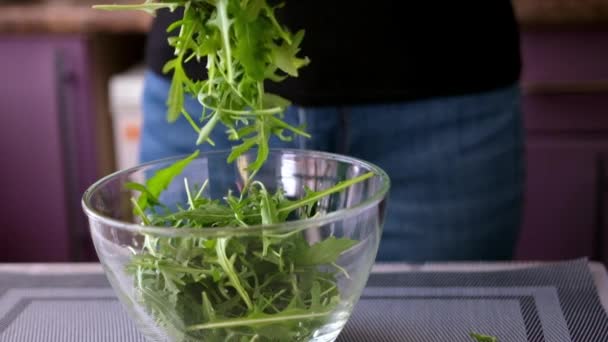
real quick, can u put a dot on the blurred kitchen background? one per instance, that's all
(71, 80)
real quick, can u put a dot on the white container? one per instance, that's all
(126, 109)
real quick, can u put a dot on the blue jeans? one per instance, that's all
(456, 165)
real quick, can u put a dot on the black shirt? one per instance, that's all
(384, 50)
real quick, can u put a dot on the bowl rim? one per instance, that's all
(378, 196)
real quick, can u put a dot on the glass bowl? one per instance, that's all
(294, 281)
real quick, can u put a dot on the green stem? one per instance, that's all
(211, 72)
(283, 124)
(248, 184)
(200, 191)
(255, 112)
(189, 270)
(339, 187)
(191, 121)
(230, 323)
(227, 266)
(180, 49)
(188, 194)
(224, 26)
(277, 26)
(261, 95)
(208, 128)
(140, 212)
(150, 7)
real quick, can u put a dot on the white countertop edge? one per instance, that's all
(59, 268)
(51, 268)
(600, 276)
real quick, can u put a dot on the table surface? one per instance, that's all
(600, 275)
(555, 302)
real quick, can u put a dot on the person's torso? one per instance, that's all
(384, 50)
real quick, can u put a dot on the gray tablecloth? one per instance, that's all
(553, 302)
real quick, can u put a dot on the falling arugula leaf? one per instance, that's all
(244, 46)
(483, 338)
(159, 182)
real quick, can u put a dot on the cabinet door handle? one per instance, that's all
(601, 241)
(64, 79)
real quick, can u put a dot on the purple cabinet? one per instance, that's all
(46, 147)
(563, 212)
(566, 110)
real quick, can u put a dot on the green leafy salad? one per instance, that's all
(264, 287)
(259, 287)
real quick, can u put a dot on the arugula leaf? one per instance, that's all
(208, 215)
(175, 100)
(160, 181)
(251, 33)
(483, 338)
(272, 100)
(285, 55)
(268, 207)
(151, 199)
(324, 252)
(244, 46)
